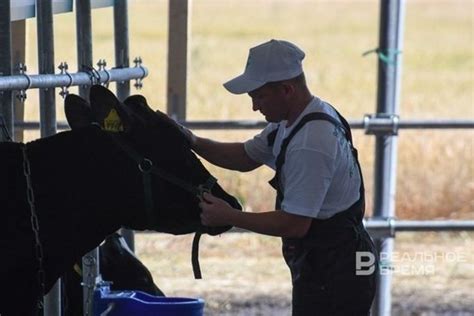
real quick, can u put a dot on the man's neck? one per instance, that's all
(298, 107)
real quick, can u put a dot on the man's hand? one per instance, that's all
(215, 211)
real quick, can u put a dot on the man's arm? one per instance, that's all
(216, 212)
(226, 155)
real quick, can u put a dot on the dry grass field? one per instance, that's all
(435, 170)
(244, 274)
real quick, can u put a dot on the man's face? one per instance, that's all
(270, 100)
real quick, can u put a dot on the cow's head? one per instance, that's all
(115, 258)
(177, 175)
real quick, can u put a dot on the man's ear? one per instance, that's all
(289, 88)
(78, 111)
(108, 111)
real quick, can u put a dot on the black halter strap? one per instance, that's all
(3, 127)
(147, 169)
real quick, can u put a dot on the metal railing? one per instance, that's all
(24, 82)
(18, 82)
(382, 125)
(389, 227)
(374, 126)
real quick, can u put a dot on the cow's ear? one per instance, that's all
(78, 111)
(108, 111)
(138, 105)
(136, 101)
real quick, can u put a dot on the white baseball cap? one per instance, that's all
(275, 60)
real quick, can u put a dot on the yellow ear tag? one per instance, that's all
(112, 122)
(78, 269)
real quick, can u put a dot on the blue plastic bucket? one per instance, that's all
(127, 303)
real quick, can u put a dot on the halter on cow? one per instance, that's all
(85, 187)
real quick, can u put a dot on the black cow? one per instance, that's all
(88, 183)
(119, 265)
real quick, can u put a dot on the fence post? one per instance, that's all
(90, 261)
(122, 58)
(45, 33)
(177, 58)
(18, 29)
(388, 89)
(84, 40)
(6, 105)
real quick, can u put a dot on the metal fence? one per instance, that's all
(17, 84)
(384, 125)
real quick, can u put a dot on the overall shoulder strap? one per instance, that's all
(307, 118)
(311, 117)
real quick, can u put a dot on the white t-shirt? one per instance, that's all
(320, 176)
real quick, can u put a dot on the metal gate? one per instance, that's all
(15, 81)
(384, 125)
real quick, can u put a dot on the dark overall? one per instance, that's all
(323, 262)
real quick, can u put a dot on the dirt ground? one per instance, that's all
(244, 274)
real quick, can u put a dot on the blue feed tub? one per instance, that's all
(128, 303)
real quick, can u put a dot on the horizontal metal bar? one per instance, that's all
(391, 124)
(60, 125)
(381, 123)
(249, 124)
(355, 124)
(45, 81)
(419, 225)
(388, 227)
(242, 124)
(436, 124)
(29, 125)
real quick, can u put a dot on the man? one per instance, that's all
(320, 193)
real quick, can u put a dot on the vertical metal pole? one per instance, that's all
(177, 58)
(18, 29)
(90, 261)
(45, 33)
(399, 57)
(386, 145)
(84, 40)
(122, 58)
(6, 104)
